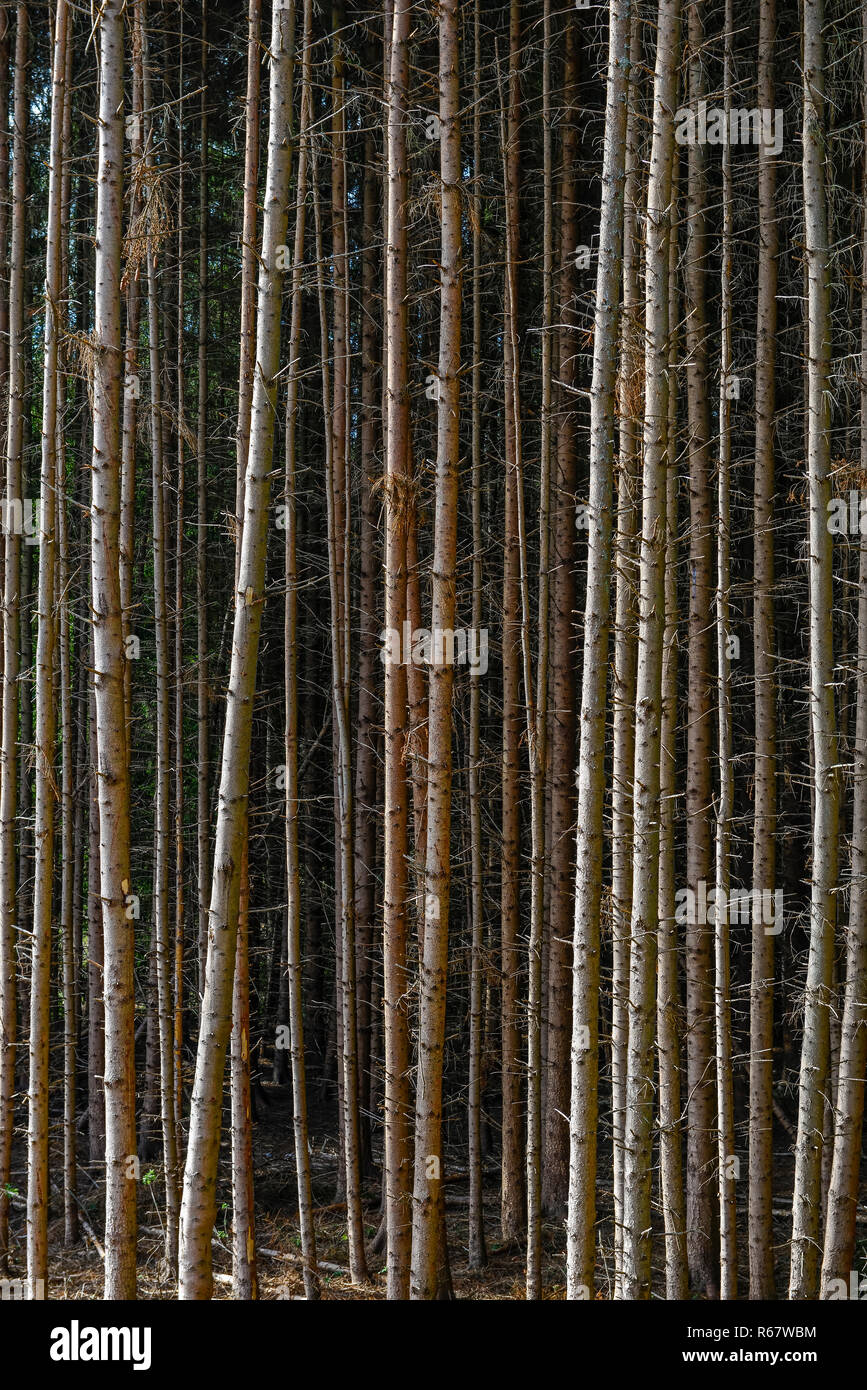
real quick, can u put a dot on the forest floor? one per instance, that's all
(76, 1272)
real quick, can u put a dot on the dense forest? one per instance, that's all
(433, 744)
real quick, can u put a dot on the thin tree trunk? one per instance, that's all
(95, 953)
(199, 1196)
(203, 819)
(512, 1175)
(645, 865)
(581, 1228)
(509, 128)
(132, 381)
(725, 803)
(625, 637)
(429, 1250)
(294, 965)
(40, 972)
(162, 809)
(700, 1148)
(11, 631)
(69, 978)
(806, 1209)
(178, 993)
(108, 654)
(761, 1123)
(244, 1277)
(248, 263)
(366, 736)
(839, 1249)
(667, 984)
(245, 1282)
(477, 1253)
(562, 661)
(336, 507)
(397, 1155)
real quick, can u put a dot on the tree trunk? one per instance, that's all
(162, 808)
(429, 1250)
(11, 630)
(806, 1208)
(108, 658)
(725, 803)
(397, 1155)
(293, 873)
(40, 972)
(839, 1249)
(477, 1253)
(584, 1102)
(667, 983)
(700, 1151)
(199, 1196)
(761, 1125)
(645, 865)
(203, 818)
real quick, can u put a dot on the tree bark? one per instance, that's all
(199, 1195)
(429, 1250)
(761, 1124)
(397, 1157)
(40, 970)
(584, 1100)
(108, 657)
(11, 630)
(635, 1282)
(806, 1200)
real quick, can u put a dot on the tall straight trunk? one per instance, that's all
(477, 1253)
(510, 138)
(635, 1282)
(178, 992)
(108, 660)
(69, 964)
(82, 802)
(244, 1276)
(667, 984)
(199, 1195)
(245, 1282)
(131, 382)
(248, 262)
(341, 339)
(543, 665)
(335, 1017)
(337, 510)
(95, 955)
(761, 1124)
(397, 1155)
(512, 1175)
(839, 1249)
(700, 1149)
(11, 629)
(562, 710)
(366, 736)
(625, 643)
(725, 802)
(162, 807)
(70, 973)
(429, 1250)
(26, 660)
(5, 69)
(806, 1205)
(294, 964)
(40, 973)
(584, 1102)
(416, 685)
(203, 817)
